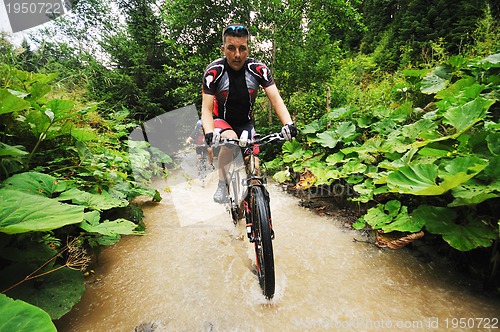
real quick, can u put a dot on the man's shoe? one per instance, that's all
(220, 195)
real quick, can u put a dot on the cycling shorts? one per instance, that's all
(249, 126)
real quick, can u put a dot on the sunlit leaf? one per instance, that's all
(38, 90)
(353, 166)
(60, 108)
(465, 116)
(282, 176)
(291, 146)
(391, 217)
(21, 212)
(328, 139)
(97, 202)
(454, 90)
(35, 183)
(111, 228)
(10, 103)
(346, 131)
(334, 159)
(421, 179)
(415, 130)
(84, 134)
(415, 179)
(435, 81)
(313, 127)
(339, 113)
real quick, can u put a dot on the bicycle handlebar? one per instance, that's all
(251, 142)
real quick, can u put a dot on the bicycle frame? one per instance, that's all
(252, 171)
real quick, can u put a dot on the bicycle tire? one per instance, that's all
(262, 233)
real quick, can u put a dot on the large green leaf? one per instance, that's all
(328, 139)
(339, 113)
(456, 88)
(493, 141)
(35, 183)
(313, 127)
(18, 315)
(462, 236)
(436, 80)
(465, 116)
(415, 130)
(38, 90)
(60, 108)
(97, 202)
(21, 212)
(419, 179)
(111, 228)
(38, 121)
(84, 134)
(55, 292)
(12, 150)
(460, 170)
(422, 179)
(390, 217)
(344, 131)
(474, 192)
(291, 146)
(10, 103)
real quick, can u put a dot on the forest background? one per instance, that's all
(396, 102)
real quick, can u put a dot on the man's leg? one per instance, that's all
(226, 156)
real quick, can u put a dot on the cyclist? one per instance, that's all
(230, 86)
(197, 137)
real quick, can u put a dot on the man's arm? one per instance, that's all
(278, 104)
(207, 108)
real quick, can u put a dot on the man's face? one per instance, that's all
(236, 51)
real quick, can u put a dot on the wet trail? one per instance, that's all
(194, 272)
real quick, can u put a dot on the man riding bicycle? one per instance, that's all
(230, 86)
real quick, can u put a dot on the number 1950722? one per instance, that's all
(471, 323)
(35, 8)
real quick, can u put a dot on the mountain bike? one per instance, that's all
(249, 195)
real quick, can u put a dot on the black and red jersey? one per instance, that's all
(235, 91)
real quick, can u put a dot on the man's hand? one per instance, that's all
(289, 131)
(212, 138)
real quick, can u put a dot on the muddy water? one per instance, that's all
(194, 272)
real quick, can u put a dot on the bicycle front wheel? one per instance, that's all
(262, 233)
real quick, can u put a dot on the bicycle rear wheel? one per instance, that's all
(262, 234)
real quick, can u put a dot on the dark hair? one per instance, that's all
(235, 30)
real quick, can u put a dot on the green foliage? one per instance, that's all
(60, 155)
(402, 33)
(55, 292)
(403, 154)
(18, 315)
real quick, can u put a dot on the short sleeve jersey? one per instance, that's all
(235, 91)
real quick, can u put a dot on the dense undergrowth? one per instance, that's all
(427, 162)
(65, 187)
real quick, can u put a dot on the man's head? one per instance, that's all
(235, 45)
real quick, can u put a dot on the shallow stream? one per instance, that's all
(194, 272)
